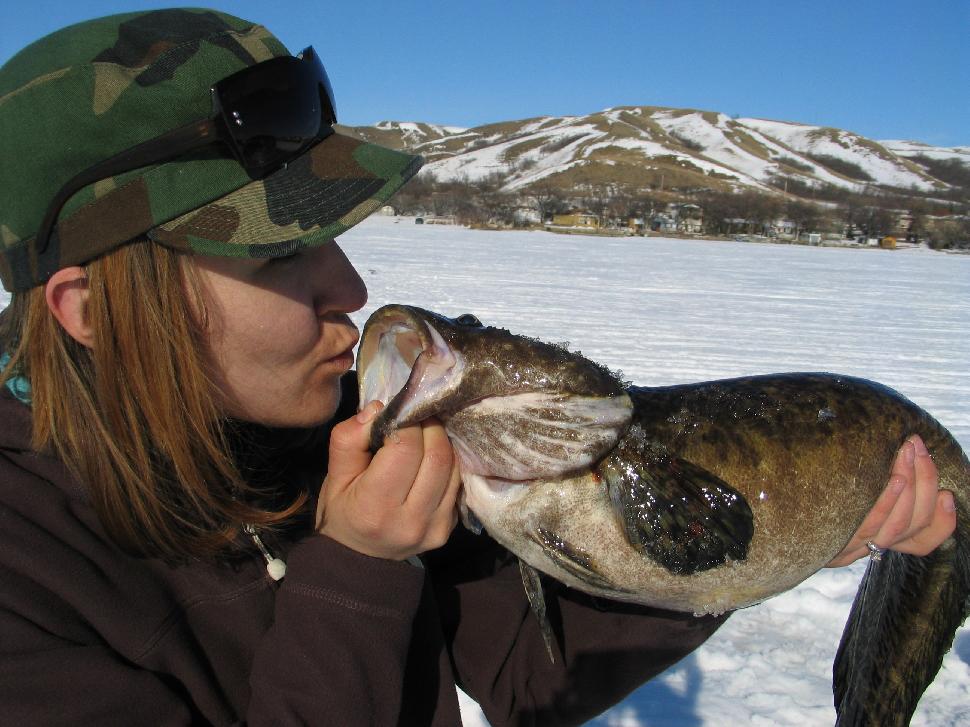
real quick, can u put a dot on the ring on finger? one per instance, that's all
(875, 552)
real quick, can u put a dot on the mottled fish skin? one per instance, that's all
(810, 453)
(703, 498)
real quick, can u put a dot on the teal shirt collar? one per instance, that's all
(19, 386)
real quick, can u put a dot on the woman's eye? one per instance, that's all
(282, 260)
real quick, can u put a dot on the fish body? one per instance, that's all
(700, 497)
(803, 451)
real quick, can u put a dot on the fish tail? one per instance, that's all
(902, 623)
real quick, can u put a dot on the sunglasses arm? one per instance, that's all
(172, 144)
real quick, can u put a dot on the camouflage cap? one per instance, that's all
(89, 91)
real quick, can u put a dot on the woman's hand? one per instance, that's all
(911, 515)
(396, 503)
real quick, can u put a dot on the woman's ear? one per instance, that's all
(67, 298)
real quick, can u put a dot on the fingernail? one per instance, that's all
(948, 503)
(918, 444)
(368, 412)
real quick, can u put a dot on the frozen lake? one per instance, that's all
(673, 311)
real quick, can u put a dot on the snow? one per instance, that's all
(912, 148)
(671, 311)
(416, 129)
(653, 149)
(846, 145)
(720, 149)
(479, 163)
(716, 144)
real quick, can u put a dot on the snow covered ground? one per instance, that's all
(672, 311)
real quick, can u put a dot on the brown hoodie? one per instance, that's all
(92, 636)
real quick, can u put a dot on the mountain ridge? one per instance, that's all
(651, 147)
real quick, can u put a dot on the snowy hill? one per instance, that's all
(653, 147)
(917, 148)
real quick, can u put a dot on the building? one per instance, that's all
(686, 218)
(577, 219)
(782, 228)
(690, 219)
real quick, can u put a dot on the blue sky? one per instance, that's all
(887, 70)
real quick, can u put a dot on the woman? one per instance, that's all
(175, 358)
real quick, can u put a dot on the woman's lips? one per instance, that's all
(344, 359)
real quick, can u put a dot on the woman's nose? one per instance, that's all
(337, 285)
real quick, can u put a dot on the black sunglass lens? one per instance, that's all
(320, 73)
(276, 109)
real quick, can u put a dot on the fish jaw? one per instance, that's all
(404, 362)
(477, 378)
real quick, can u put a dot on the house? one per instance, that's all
(662, 222)
(687, 218)
(636, 225)
(577, 219)
(904, 222)
(690, 218)
(782, 228)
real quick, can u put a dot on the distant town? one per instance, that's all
(748, 216)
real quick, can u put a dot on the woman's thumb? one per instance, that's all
(350, 446)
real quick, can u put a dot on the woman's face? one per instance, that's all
(279, 332)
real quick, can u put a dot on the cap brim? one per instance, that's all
(315, 198)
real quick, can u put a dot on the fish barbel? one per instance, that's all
(702, 498)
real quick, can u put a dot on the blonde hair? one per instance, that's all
(136, 417)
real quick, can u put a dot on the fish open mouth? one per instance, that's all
(405, 362)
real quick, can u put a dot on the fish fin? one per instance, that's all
(901, 625)
(571, 559)
(521, 436)
(681, 515)
(532, 583)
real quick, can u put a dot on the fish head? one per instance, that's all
(515, 407)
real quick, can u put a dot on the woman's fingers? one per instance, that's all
(941, 527)
(914, 510)
(434, 473)
(911, 515)
(398, 502)
(349, 447)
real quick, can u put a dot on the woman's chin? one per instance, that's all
(303, 412)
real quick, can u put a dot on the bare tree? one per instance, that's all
(804, 215)
(597, 200)
(547, 200)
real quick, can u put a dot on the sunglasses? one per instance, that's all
(266, 115)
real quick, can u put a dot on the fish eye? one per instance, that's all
(467, 319)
